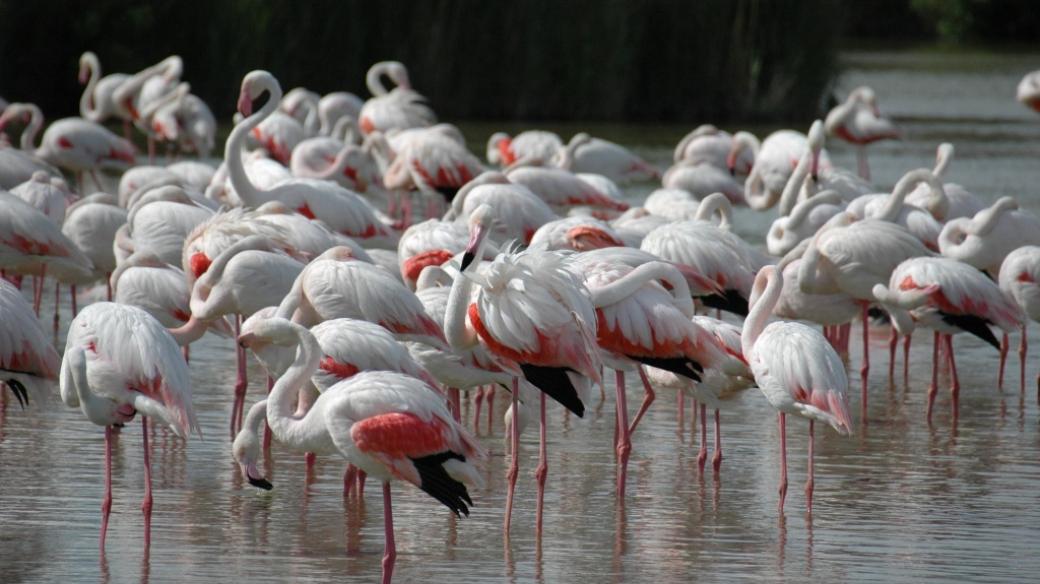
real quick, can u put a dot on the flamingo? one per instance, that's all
(1018, 279)
(533, 145)
(47, 194)
(636, 223)
(28, 361)
(774, 162)
(703, 178)
(594, 155)
(859, 122)
(398, 109)
(336, 106)
(576, 233)
(531, 310)
(344, 211)
(987, 238)
(852, 259)
(960, 203)
(810, 176)
(827, 310)
(342, 161)
(431, 243)
(162, 226)
(517, 212)
(923, 223)
(949, 297)
(433, 160)
(561, 189)
(391, 425)
(1028, 93)
(91, 224)
(797, 370)
(803, 222)
(140, 89)
(120, 361)
(142, 280)
(708, 144)
(717, 390)
(97, 103)
(18, 166)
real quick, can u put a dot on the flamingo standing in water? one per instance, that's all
(120, 361)
(859, 122)
(530, 310)
(949, 297)
(797, 370)
(28, 361)
(392, 426)
(1018, 278)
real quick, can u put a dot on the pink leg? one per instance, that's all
(1023, 344)
(624, 440)
(38, 289)
(490, 396)
(72, 300)
(864, 371)
(809, 482)
(1005, 342)
(782, 420)
(542, 471)
(390, 549)
(648, 399)
(361, 476)
(240, 382)
(702, 454)
(934, 387)
(906, 357)
(267, 428)
(106, 503)
(478, 401)
(514, 463)
(146, 505)
(456, 403)
(349, 478)
(57, 305)
(681, 413)
(893, 342)
(716, 459)
(108, 286)
(955, 387)
(97, 181)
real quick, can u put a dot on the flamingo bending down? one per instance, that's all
(1018, 278)
(390, 425)
(533, 145)
(859, 122)
(531, 310)
(28, 361)
(796, 369)
(120, 361)
(598, 156)
(708, 144)
(398, 109)
(576, 233)
(987, 238)
(949, 297)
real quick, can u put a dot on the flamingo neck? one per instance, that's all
(86, 109)
(374, 79)
(281, 402)
(250, 195)
(28, 137)
(761, 308)
(458, 335)
(189, 332)
(986, 220)
(631, 282)
(715, 203)
(789, 196)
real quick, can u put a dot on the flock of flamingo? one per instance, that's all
(376, 268)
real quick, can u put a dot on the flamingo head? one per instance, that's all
(479, 225)
(246, 450)
(275, 330)
(254, 85)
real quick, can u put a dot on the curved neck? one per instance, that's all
(311, 119)
(345, 130)
(943, 156)
(715, 203)
(789, 196)
(761, 308)
(986, 219)
(455, 331)
(937, 202)
(628, 284)
(189, 332)
(801, 211)
(216, 269)
(338, 164)
(458, 203)
(250, 195)
(87, 102)
(374, 79)
(281, 401)
(32, 128)
(758, 198)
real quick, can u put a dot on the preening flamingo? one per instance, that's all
(91, 223)
(810, 176)
(987, 238)
(949, 297)
(708, 144)
(1018, 279)
(797, 370)
(47, 194)
(120, 361)
(598, 156)
(531, 310)
(858, 121)
(702, 178)
(98, 101)
(803, 222)
(534, 145)
(774, 162)
(516, 211)
(960, 203)
(923, 222)
(390, 425)
(28, 361)
(576, 233)
(398, 109)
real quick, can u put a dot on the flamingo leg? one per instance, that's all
(861, 160)
(240, 381)
(490, 396)
(782, 422)
(361, 476)
(106, 503)
(108, 286)
(186, 352)
(624, 439)
(809, 483)
(1023, 345)
(906, 357)
(864, 371)
(151, 149)
(72, 300)
(97, 181)
(390, 549)
(456, 403)
(934, 387)
(542, 470)
(702, 454)
(514, 463)
(38, 289)
(1005, 343)
(478, 401)
(146, 504)
(349, 478)
(681, 414)
(716, 459)
(893, 343)
(648, 398)
(267, 427)
(955, 387)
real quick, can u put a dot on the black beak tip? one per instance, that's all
(261, 483)
(467, 259)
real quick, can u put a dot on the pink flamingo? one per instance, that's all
(398, 109)
(91, 223)
(120, 361)
(796, 369)
(531, 310)
(561, 189)
(597, 156)
(858, 121)
(97, 103)
(433, 161)
(28, 361)
(1018, 279)
(949, 297)
(534, 145)
(576, 233)
(392, 426)
(707, 144)
(517, 212)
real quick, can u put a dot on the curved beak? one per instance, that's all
(475, 239)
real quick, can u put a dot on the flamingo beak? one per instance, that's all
(815, 168)
(83, 76)
(245, 340)
(256, 479)
(245, 104)
(477, 236)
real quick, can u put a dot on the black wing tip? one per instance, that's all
(730, 300)
(19, 391)
(682, 366)
(974, 325)
(557, 385)
(436, 482)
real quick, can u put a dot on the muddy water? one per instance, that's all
(898, 501)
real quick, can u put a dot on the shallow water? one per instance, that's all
(897, 501)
